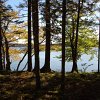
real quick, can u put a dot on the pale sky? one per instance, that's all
(13, 3)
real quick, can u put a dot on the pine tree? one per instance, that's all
(36, 41)
(46, 67)
(1, 67)
(29, 37)
(63, 43)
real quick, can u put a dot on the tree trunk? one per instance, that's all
(74, 67)
(36, 40)
(46, 67)
(29, 37)
(75, 53)
(7, 58)
(63, 45)
(3, 58)
(1, 67)
(99, 50)
(8, 63)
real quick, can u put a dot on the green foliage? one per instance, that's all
(87, 37)
(86, 43)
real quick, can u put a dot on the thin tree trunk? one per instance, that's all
(24, 57)
(46, 67)
(7, 54)
(21, 60)
(29, 37)
(1, 67)
(74, 68)
(3, 58)
(99, 50)
(63, 45)
(36, 41)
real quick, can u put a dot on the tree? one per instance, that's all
(7, 19)
(63, 43)
(35, 20)
(46, 67)
(7, 53)
(80, 30)
(97, 9)
(7, 16)
(1, 67)
(78, 24)
(29, 37)
(74, 52)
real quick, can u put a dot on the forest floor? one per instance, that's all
(21, 86)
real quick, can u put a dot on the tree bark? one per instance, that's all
(74, 67)
(46, 67)
(36, 41)
(3, 58)
(29, 37)
(63, 45)
(8, 63)
(1, 67)
(75, 53)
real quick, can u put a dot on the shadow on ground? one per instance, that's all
(21, 86)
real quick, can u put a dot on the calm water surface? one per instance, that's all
(83, 62)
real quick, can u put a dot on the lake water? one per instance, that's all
(83, 62)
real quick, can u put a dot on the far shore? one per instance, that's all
(55, 47)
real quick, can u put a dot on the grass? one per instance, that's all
(21, 86)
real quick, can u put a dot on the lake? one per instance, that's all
(55, 65)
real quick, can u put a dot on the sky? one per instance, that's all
(13, 3)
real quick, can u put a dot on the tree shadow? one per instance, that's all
(77, 87)
(49, 89)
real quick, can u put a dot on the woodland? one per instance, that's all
(72, 25)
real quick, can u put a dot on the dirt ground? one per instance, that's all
(21, 86)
